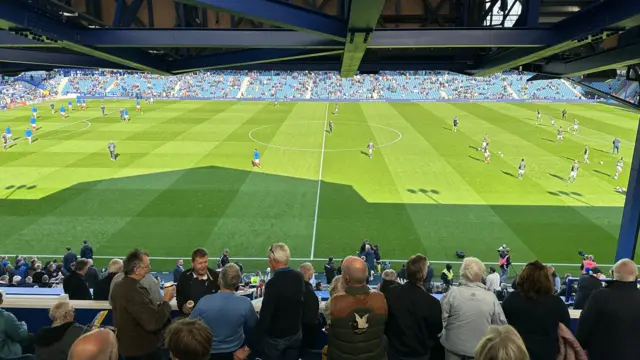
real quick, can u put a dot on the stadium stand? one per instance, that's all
(394, 86)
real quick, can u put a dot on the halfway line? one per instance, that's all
(315, 218)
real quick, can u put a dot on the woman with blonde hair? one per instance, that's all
(501, 343)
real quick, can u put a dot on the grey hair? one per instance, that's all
(115, 266)
(16, 279)
(625, 270)
(337, 285)
(59, 310)
(133, 260)
(280, 253)
(230, 276)
(389, 275)
(472, 269)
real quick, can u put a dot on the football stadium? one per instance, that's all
(307, 179)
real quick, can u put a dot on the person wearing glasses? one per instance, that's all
(53, 342)
(138, 318)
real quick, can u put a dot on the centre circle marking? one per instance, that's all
(326, 150)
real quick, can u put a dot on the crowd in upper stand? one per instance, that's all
(411, 315)
(397, 85)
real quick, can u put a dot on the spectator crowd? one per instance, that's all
(407, 317)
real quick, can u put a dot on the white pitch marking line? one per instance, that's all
(315, 218)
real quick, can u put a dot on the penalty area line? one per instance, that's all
(315, 217)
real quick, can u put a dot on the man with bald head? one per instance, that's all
(357, 316)
(99, 344)
(610, 321)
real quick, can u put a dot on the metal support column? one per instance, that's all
(628, 238)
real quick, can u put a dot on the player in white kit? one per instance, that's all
(618, 168)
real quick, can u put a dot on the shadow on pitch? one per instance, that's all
(549, 140)
(602, 151)
(601, 172)
(173, 204)
(364, 153)
(14, 189)
(509, 174)
(473, 147)
(557, 176)
(430, 193)
(475, 158)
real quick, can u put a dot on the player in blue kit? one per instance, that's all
(455, 124)
(34, 111)
(53, 108)
(8, 133)
(28, 134)
(256, 159)
(33, 124)
(137, 105)
(126, 115)
(70, 105)
(63, 112)
(84, 104)
(103, 109)
(371, 147)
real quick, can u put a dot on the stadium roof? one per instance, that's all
(478, 37)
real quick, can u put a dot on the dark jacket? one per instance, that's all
(37, 277)
(54, 342)
(75, 287)
(587, 284)
(537, 322)
(610, 323)
(68, 259)
(357, 328)
(414, 321)
(370, 260)
(184, 292)
(224, 260)
(282, 305)
(91, 277)
(330, 272)
(86, 252)
(310, 320)
(137, 317)
(177, 272)
(101, 291)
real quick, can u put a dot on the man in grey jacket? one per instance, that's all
(467, 312)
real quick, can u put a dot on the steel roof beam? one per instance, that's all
(571, 32)
(612, 59)
(363, 19)
(279, 13)
(210, 38)
(56, 59)
(242, 58)
(15, 15)
(462, 37)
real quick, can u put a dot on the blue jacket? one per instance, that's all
(12, 333)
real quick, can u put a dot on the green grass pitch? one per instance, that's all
(184, 179)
